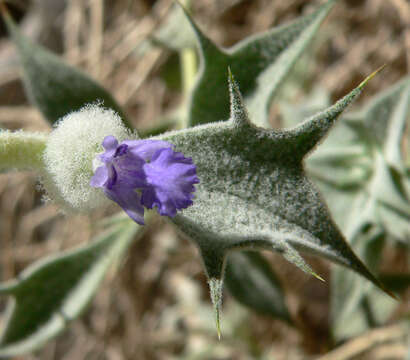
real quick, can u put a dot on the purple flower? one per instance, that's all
(138, 173)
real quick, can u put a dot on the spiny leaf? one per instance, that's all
(216, 287)
(54, 291)
(254, 192)
(369, 154)
(56, 88)
(396, 281)
(251, 280)
(259, 63)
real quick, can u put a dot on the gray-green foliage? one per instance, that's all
(254, 192)
(54, 87)
(250, 279)
(53, 291)
(360, 169)
(272, 55)
(372, 194)
(356, 304)
(362, 161)
(259, 63)
(176, 32)
(397, 282)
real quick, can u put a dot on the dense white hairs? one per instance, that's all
(71, 149)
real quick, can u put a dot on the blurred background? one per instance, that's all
(155, 304)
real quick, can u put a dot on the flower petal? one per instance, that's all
(145, 149)
(129, 201)
(100, 177)
(110, 144)
(171, 178)
(129, 169)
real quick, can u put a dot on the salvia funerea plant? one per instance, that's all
(224, 177)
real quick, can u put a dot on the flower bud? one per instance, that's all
(71, 149)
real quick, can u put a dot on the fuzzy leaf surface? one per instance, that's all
(251, 280)
(53, 86)
(259, 63)
(53, 291)
(254, 192)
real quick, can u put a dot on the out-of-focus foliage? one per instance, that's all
(54, 87)
(55, 290)
(252, 282)
(271, 56)
(361, 171)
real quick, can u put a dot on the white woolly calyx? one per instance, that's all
(70, 152)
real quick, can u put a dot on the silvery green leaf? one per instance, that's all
(259, 63)
(363, 160)
(356, 305)
(251, 280)
(374, 309)
(294, 113)
(382, 121)
(254, 192)
(53, 291)
(53, 86)
(175, 33)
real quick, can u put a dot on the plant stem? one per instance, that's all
(188, 69)
(188, 65)
(21, 150)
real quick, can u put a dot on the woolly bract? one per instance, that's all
(70, 151)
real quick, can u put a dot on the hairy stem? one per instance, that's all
(21, 150)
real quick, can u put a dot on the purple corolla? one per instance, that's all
(138, 173)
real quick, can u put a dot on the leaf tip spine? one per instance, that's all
(218, 329)
(318, 277)
(371, 76)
